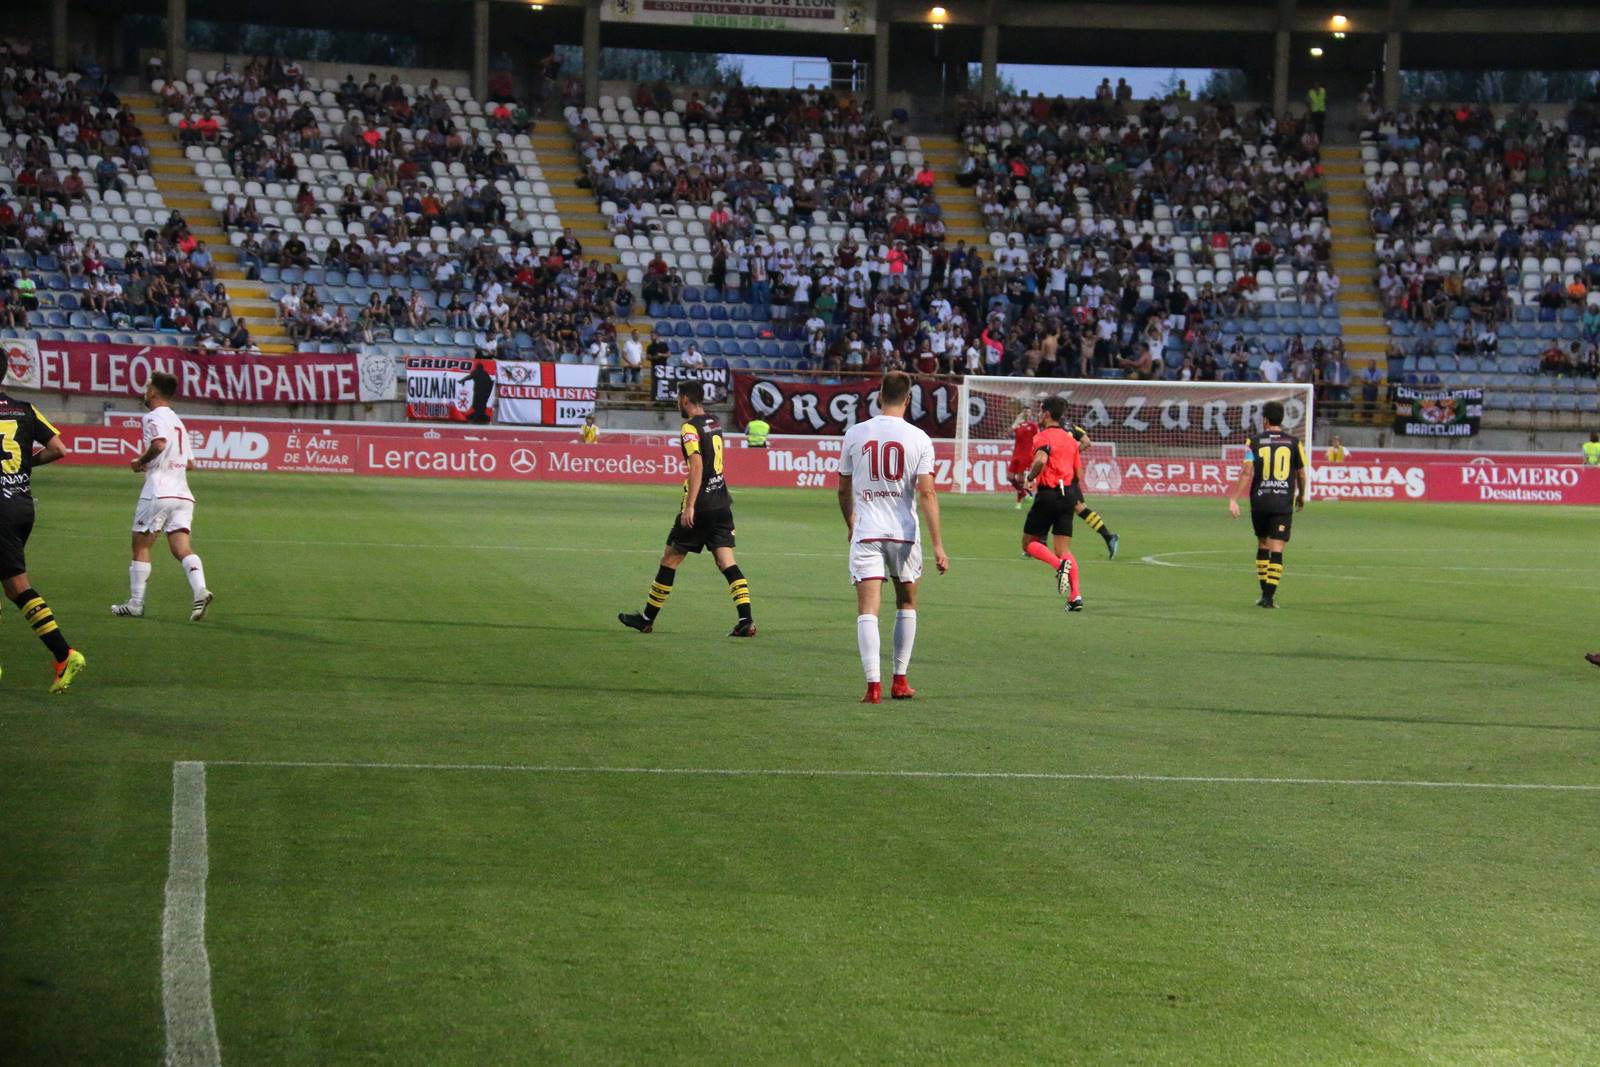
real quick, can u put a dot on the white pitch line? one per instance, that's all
(1024, 776)
(185, 967)
(1165, 559)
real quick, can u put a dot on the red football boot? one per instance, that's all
(874, 693)
(900, 689)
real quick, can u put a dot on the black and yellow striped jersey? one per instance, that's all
(1275, 456)
(702, 436)
(22, 429)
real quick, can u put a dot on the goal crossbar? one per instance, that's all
(1156, 419)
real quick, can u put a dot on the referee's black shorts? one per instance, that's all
(1052, 512)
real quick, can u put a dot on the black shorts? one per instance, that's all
(16, 524)
(711, 529)
(1272, 524)
(1075, 494)
(1051, 513)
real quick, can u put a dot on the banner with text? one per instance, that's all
(450, 388)
(805, 16)
(666, 379)
(347, 448)
(829, 410)
(1437, 412)
(545, 394)
(90, 368)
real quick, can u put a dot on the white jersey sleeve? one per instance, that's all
(883, 458)
(167, 476)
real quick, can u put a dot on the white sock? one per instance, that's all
(868, 641)
(138, 578)
(196, 573)
(905, 635)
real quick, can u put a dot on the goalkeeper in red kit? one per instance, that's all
(1023, 431)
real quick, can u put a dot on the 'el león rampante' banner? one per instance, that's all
(829, 410)
(805, 16)
(1438, 412)
(90, 368)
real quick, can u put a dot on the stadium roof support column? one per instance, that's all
(1280, 57)
(1398, 11)
(991, 51)
(58, 33)
(880, 61)
(591, 54)
(177, 37)
(480, 49)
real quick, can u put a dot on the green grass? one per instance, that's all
(457, 916)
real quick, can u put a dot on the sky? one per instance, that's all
(779, 71)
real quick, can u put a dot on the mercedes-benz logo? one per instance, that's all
(524, 461)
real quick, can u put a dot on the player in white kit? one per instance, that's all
(166, 506)
(885, 470)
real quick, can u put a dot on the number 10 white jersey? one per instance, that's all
(883, 458)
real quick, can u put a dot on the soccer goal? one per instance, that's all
(1125, 419)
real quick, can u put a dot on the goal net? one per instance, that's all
(1133, 426)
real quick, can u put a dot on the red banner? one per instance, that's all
(828, 410)
(350, 448)
(83, 367)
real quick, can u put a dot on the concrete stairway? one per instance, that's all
(181, 190)
(962, 219)
(1366, 335)
(558, 159)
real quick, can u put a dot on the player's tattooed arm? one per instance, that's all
(154, 449)
(847, 505)
(928, 497)
(53, 450)
(697, 477)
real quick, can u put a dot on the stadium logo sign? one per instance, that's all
(1103, 476)
(523, 461)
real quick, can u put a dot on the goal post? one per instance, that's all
(1127, 419)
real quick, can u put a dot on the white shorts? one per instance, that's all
(883, 560)
(163, 515)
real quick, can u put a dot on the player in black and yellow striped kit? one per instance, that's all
(1274, 473)
(1091, 518)
(27, 440)
(705, 517)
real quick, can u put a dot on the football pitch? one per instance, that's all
(453, 813)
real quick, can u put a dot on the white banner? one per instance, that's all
(805, 16)
(545, 394)
(22, 362)
(378, 376)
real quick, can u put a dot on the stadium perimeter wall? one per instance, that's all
(526, 454)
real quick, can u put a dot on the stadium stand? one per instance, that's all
(1155, 239)
(91, 250)
(771, 229)
(1486, 242)
(391, 215)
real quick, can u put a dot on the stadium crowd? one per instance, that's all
(387, 212)
(85, 243)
